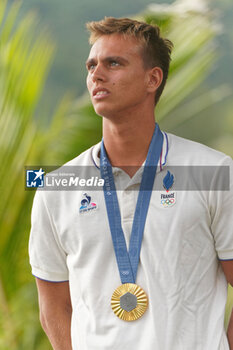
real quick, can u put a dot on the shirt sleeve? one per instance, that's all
(47, 258)
(222, 215)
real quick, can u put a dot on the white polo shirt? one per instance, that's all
(179, 265)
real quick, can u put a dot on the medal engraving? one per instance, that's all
(129, 302)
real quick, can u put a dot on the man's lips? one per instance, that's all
(100, 93)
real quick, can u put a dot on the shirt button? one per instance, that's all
(128, 192)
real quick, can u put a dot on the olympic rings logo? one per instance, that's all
(168, 201)
(125, 273)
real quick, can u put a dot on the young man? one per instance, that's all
(144, 269)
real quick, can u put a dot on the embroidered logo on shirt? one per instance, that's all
(168, 181)
(168, 199)
(86, 204)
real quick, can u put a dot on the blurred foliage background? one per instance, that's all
(46, 117)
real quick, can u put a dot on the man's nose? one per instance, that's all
(98, 73)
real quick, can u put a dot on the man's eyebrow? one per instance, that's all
(107, 59)
(116, 58)
(90, 61)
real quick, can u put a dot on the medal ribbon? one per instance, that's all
(128, 261)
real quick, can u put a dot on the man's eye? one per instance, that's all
(114, 63)
(91, 67)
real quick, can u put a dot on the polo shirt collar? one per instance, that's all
(163, 159)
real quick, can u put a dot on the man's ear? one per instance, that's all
(155, 79)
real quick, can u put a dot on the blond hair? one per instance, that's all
(156, 51)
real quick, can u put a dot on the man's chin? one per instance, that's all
(103, 112)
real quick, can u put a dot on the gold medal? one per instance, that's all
(129, 302)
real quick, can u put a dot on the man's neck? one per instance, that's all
(127, 143)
